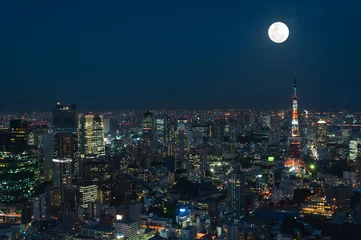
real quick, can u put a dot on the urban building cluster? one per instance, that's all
(180, 174)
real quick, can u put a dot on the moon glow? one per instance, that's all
(278, 32)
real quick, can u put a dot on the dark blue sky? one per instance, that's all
(178, 54)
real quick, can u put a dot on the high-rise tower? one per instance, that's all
(64, 118)
(321, 134)
(294, 160)
(17, 165)
(91, 135)
(236, 193)
(64, 125)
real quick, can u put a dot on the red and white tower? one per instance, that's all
(294, 159)
(295, 128)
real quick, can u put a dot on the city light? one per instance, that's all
(185, 152)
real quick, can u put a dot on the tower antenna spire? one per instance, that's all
(294, 85)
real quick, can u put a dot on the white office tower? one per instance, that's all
(126, 229)
(353, 149)
(89, 194)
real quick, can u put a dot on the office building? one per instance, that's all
(126, 229)
(17, 176)
(237, 194)
(65, 146)
(18, 136)
(353, 150)
(203, 159)
(148, 126)
(91, 135)
(35, 135)
(106, 126)
(319, 206)
(46, 157)
(62, 178)
(39, 209)
(64, 118)
(321, 134)
(97, 231)
(189, 233)
(96, 170)
(122, 188)
(232, 232)
(17, 165)
(88, 194)
(64, 125)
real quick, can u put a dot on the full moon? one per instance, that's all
(278, 32)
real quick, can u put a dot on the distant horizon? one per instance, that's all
(191, 109)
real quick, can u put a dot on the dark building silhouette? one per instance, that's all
(18, 136)
(122, 188)
(237, 193)
(170, 163)
(66, 146)
(64, 125)
(64, 118)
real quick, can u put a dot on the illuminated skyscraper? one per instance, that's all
(17, 178)
(161, 131)
(294, 160)
(321, 134)
(353, 149)
(91, 135)
(148, 125)
(181, 139)
(147, 141)
(17, 165)
(89, 194)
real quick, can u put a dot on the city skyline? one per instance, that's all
(185, 55)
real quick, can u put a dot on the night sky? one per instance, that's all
(178, 54)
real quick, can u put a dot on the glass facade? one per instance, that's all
(17, 176)
(91, 135)
(64, 118)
